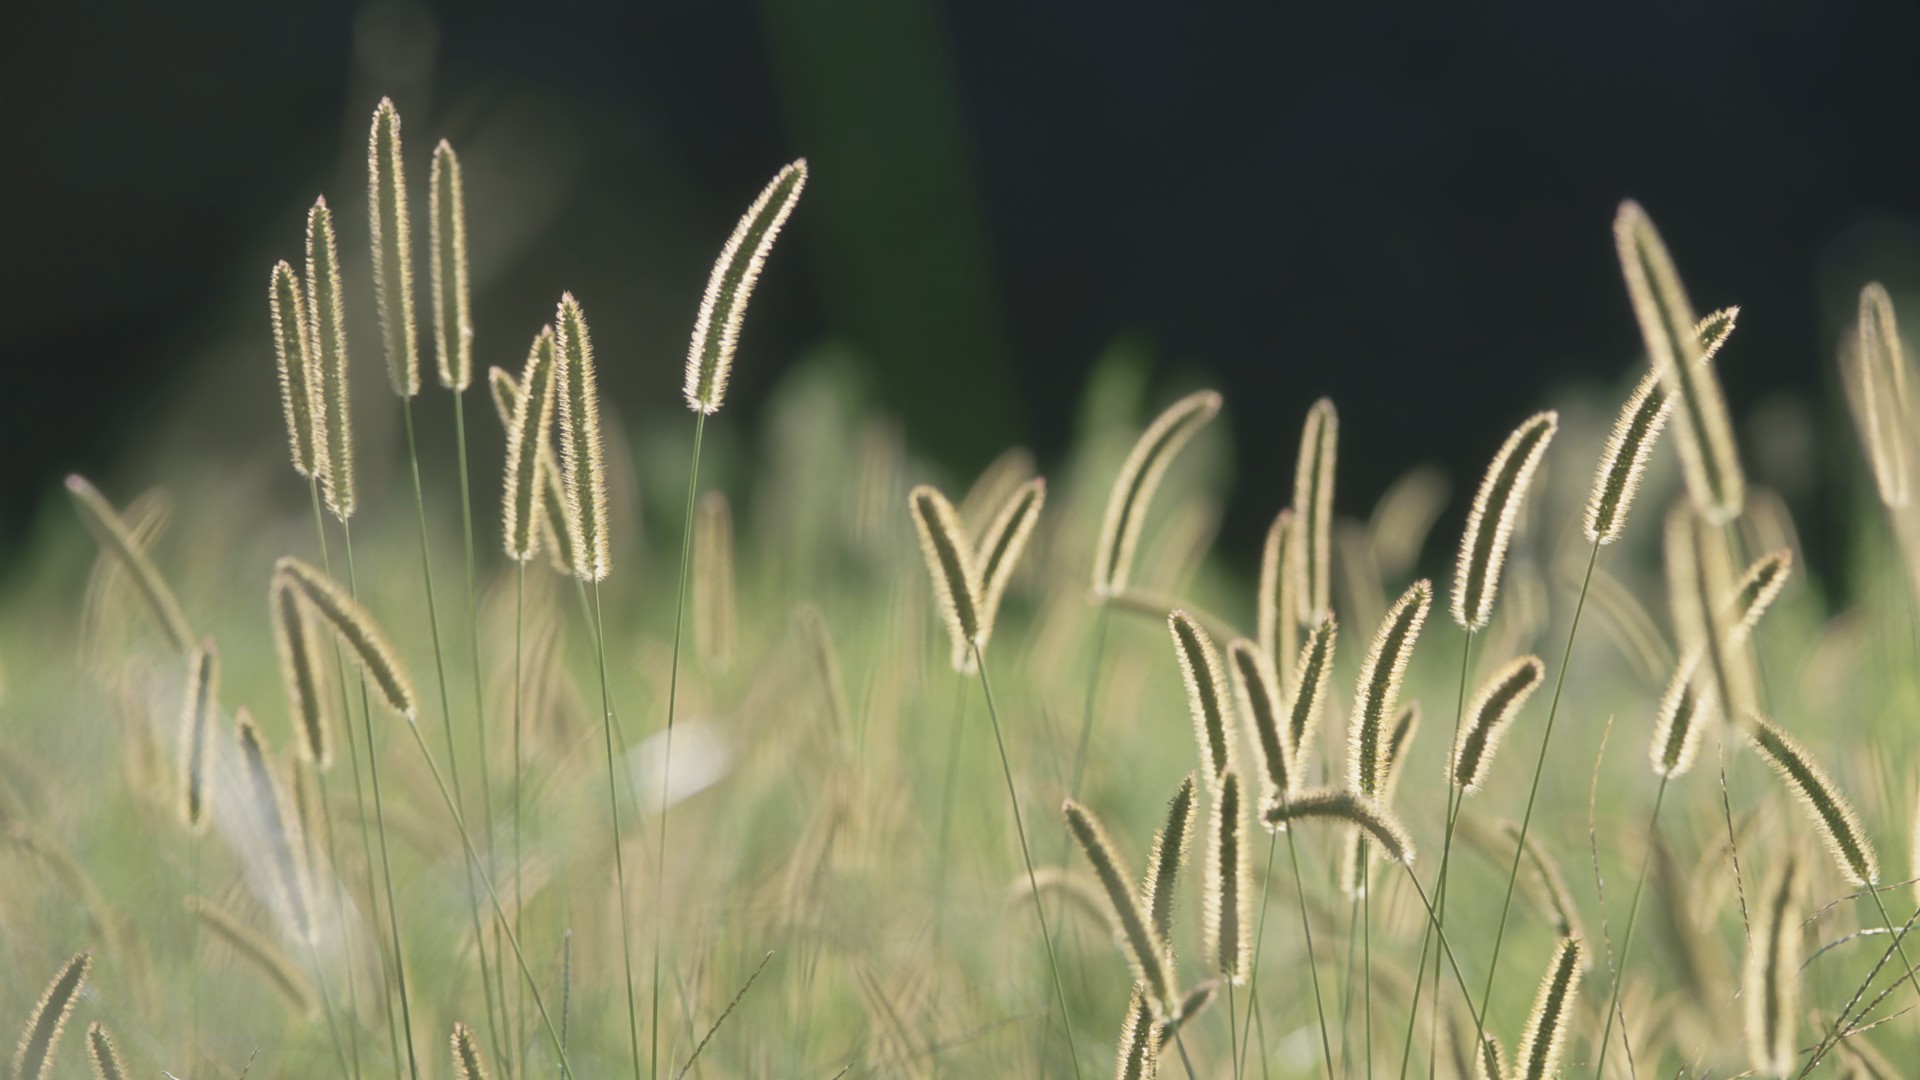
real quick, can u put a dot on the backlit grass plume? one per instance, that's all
(278, 825)
(552, 525)
(466, 1057)
(1684, 710)
(112, 534)
(1133, 488)
(196, 718)
(261, 954)
(1879, 394)
(1351, 807)
(356, 628)
(1134, 1057)
(713, 604)
(452, 295)
(716, 330)
(33, 1057)
(1313, 670)
(956, 581)
(1227, 892)
(1169, 854)
(105, 1056)
(1142, 946)
(293, 358)
(392, 248)
(326, 316)
(1757, 589)
(1493, 707)
(1313, 513)
(1703, 431)
(1832, 814)
(300, 670)
(1377, 695)
(998, 554)
(1545, 1038)
(1256, 692)
(1496, 506)
(523, 504)
(581, 463)
(1770, 991)
(1206, 693)
(1275, 623)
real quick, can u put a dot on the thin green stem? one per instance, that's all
(1835, 1033)
(1626, 937)
(340, 903)
(1233, 1033)
(1026, 853)
(619, 860)
(519, 764)
(1366, 952)
(1259, 939)
(1887, 920)
(1313, 963)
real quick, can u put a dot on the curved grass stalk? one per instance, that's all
(1626, 937)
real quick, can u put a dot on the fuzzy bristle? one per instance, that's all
(293, 640)
(1142, 946)
(1681, 720)
(1157, 892)
(293, 359)
(33, 1058)
(1351, 807)
(392, 248)
(1832, 814)
(1206, 693)
(1771, 988)
(1496, 507)
(998, 553)
(1256, 692)
(1135, 484)
(524, 525)
(1227, 889)
(1377, 694)
(327, 316)
(1277, 627)
(581, 455)
(113, 536)
(716, 330)
(452, 296)
(1545, 1038)
(196, 718)
(950, 566)
(466, 1057)
(1493, 707)
(356, 628)
(105, 1056)
(1313, 513)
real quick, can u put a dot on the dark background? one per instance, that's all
(1407, 209)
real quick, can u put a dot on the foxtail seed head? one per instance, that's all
(1143, 947)
(1134, 486)
(1882, 408)
(392, 248)
(293, 639)
(1134, 1059)
(716, 330)
(523, 509)
(112, 534)
(466, 1057)
(299, 393)
(1337, 804)
(1227, 891)
(1684, 710)
(1314, 668)
(956, 580)
(33, 1058)
(1277, 626)
(356, 628)
(1169, 854)
(1254, 690)
(328, 319)
(1493, 707)
(1832, 814)
(1546, 1034)
(1206, 692)
(580, 451)
(1378, 693)
(1757, 589)
(196, 717)
(104, 1054)
(1771, 992)
(277, 825)
(998, 554)
(1483, 547)
(1313, 513)
(551, 526)
(452, 297)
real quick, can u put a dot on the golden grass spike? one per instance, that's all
(1315, 668)
(328, 319)
(1493, 707)
(1492, 1062)
(1548, 884)
(33, 1058)
(1259, 699)
(956, 580)
(293, 358)
(1313, 512)
(1623, 459)
(1206, 693)
(1496, 506)
(1169, 853)
(992, 488)
(581, 459)
(105, 1056)
(998, 554)
(466, 1057)
(1757, 589)
(1832, 814)
(1133, 488)
(1771, 992)
(1703, 432)
(392, 248)
(112, 534)
(1227, 892)
(552, 524)
(196, 717)
(716, 330)
(1684, 710)
(357, 628)
(1277, 629)
(1714, 330)
(1351, 807)
(1546, 1034)
(452, 296)
(1378, 692)
(1883, 408)
(278, 825)
(713, 606)
(1134, 1058)
(1142, 947)
(300, 670)
(282, 974)
(523, 509)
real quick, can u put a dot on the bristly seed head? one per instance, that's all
(998, 553)
(956, 580)
(523, 510)
(1157, 893)
(1682, 718)
(452, 296)
(333, 405)
(1137, 939)
(356, 628)
(105, 1056)
(299, 390)
(1771, 989)
(1228, 893)
(580, 450)
(1256, 692)
(1878, 392)
(716, 330)
(1313, 513)
(1832, 814)
(1546, 1034)
(1351, 807)
(1496, 507)
(1378, 693)
(1493, 707)
(1206, 693)
(196, 717)
(1315, 668)
(300, 672)
(392, 248)
(33, 1058)
(1134, 486)
(1757, 589)
(1277, 628)
(466, 1057)
(277, 825)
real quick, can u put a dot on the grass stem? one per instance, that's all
(1626, 936)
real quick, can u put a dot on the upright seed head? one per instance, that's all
(1757, 589)
(299, 392)
(1169, 854)
(466, 1057)
(523, 508)
(1134, 1059)
(1315, 668)
(1832, 814)
(1378, 693)
(104, 1054)
(713, 608)
(114, 538)
(1135, 484)
(998, 554)
(1483, 547)
(33, 1058)
(1494, 706)
(356, 628)
(333, 406)
(300, 672)
(1881, 403)
(1771, 992)
(1275, 609)
(1546, 1034)
(716, 330)
(1137, 939)
(1684, 709)
(1206, 692)
(580, 451)
(196, 717)
(956, 580)
(392, 248)
(277, 825)
(1623, 459)
(1351, 807)
(452, 298)
(1228, 890)
(551, 525)
(1703, 432)
(1256, 692)
(1313, 512)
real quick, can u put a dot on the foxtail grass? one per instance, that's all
(356, 629)
(998, 552)
(1157, 892)
(1877, 383)
(1494, 706)
(196, 718)
(1376, 697)
(103, 1054)
(299, 380)
(114, 538)
(1206, 694)
(1313, 513)
(1258, 697)
(1133, 928)
(1226, 889)
(467, 1063)
(1351, 807)
(300, 673)
(278, 826)
(1134, 486)
(1276, 627)
(1135, 1057)
(1545, 1039)
(327, 324)
(1496, 507)
(1770, 989)
(33, 1057)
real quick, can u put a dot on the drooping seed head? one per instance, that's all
(356, 628)
(466, 1057)
(713, 605)
(581, 462)
(1206, 693)
(1882, 407)
(1546, 1034)
(523, 508)
(1277, 627)
(1227, 890)
(333, 406)
(452, 296)
(104, 1055)
(1313, 513)
(278, 826)
(281, 973)
(1157, 893)
(299, 381)
(1547, 883)
(1757, 589)
(196, 717)
(1703, 432)
(1137, 939)
(950, 565)
(114, 538)
(1684, 710)
(1133, 488)
(1134, 1058)
(294, 640)
(392, 248)
(998, 554)
(1496, 507)
(1338, 804)
(1378, 693)
(33, 1057)
(1832, 814)
(1771, 990)
(1493, 707)
(1314, 669)
(1256, 692)
(716, 330)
